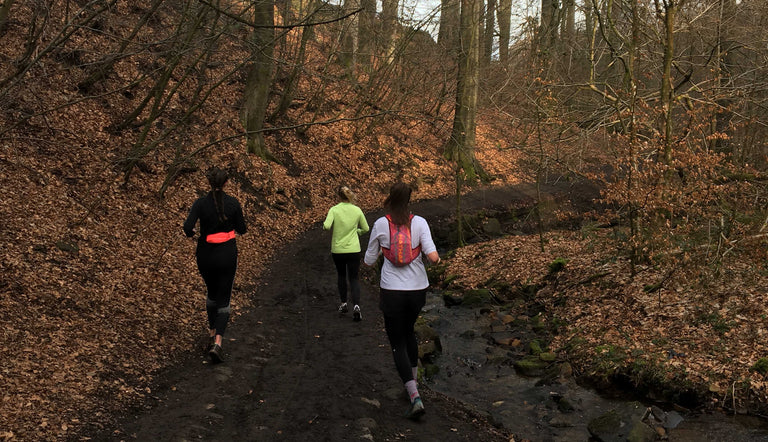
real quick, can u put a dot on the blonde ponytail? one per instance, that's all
(345, 193)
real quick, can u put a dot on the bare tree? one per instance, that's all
(489, 32)
(389, 28)
(504, 18)
(259, 82)
(460, 147)
(450, 21)
(548, 29)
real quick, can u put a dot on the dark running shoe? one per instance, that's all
(343, 308)
(215, 354)
(356, 315)
(416, 410)
(211, 343)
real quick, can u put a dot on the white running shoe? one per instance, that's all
(356, 315)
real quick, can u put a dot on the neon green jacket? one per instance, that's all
(347, 222)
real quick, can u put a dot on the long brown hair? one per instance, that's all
(217, 178)
(396, 204)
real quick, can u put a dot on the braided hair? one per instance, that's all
(217, 178)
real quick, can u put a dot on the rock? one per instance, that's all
(560, 422)
(503, 338)
(425, 332)
(497, 356)
(492, 226)
(534, 348)
(550, 375)
(430, 370)
(547, 356)
(451, 299)
(622, 424)
(477, 297)
(498, 327)
(672, 420)
(565, 406)
(427, 349)
(566, 370)
(530, 366)
(608, 427)
(640, 432)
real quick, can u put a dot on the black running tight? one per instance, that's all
(348, 267)
(400, 310)
(217, 264)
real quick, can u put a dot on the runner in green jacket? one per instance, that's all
(347, 222)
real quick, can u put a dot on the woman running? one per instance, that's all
(403, 283)
(347, 223)
(220, 218)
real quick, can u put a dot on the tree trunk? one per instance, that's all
(448, 33)
(568, 31)
(490, 29)
(366, 33)
(307, 34)
(259, 82)
(504, 17)
(389, 29)
(548, 27)
(460, 147)
(348, 49)
(669, 11)
(634, 168)
(724, 62)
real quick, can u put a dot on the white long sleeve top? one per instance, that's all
(412, 276)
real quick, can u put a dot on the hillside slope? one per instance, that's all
(99, 288)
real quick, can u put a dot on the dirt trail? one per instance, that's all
(297, 371)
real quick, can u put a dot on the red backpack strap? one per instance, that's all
(417, 251)
(392, 228)
(387, 251)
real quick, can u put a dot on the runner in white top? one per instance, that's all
(412, 276)
(403, 289)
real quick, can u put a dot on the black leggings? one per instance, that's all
(348, 266)
(218, 265)
(401, 308)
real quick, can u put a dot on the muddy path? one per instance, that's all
(296, 370)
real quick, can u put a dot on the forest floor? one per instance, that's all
(297, 370)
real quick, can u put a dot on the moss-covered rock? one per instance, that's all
(477, 297)
(547, 356)
(622, 424)
(761, 366)
(530, 366)
(534, 348)
(492, 226)
(428, 350)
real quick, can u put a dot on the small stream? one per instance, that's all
(475, 370)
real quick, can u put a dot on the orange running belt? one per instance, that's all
(217, 238)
